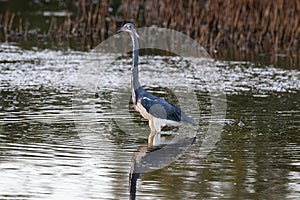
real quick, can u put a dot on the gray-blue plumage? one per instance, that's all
(160, 108)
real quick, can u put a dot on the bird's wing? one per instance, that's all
(162, 109)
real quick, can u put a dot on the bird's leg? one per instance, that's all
(151, 137)
(156, 139)
(153, 133)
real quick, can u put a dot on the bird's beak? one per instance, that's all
(121, 29)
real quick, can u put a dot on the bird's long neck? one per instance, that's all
(135, 84)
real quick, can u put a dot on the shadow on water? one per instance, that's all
(148, 158)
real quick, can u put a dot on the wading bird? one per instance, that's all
(158, 111)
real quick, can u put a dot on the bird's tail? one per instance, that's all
(187, 119)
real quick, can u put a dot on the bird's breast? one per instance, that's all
(140, 108)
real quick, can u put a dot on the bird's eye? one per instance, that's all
(128, 27)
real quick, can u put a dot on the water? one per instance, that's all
(49, 151)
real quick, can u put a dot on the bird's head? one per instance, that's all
(128, 27)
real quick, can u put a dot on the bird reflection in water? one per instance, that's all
(149, 158)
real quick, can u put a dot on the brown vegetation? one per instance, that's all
(273, 25)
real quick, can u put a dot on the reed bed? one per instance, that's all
(272, 25)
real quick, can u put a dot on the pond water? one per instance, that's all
(48, 152)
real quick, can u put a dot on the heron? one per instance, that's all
(157, 110)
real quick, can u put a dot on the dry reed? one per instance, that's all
(273, 25)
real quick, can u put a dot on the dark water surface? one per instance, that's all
(45, 154)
